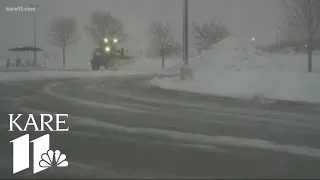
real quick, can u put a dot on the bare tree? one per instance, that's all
(207, 34)
(304, 19)
(204, 35)
(161, 37)
(103, 24)
(63, 34)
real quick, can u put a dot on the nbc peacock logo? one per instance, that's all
(53, 159)
(43, 157)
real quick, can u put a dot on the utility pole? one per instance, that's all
(185, 71)
(35, 40)
(185, 33)
(36, 6)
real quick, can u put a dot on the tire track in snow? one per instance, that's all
(198, 138)
(206, 139)
(49, 90)
(236, 117)
(156, 142)
(235, 114)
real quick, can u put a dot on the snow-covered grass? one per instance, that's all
(137, 67)
(25, 69)
(38, 75)
(236, 69)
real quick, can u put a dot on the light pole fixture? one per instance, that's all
(36, 6)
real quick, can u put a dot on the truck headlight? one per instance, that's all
(107, 49)
(115, 40)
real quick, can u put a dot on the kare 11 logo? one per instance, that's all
(43, 156)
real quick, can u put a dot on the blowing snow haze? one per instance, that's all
(244, 18)
(243, 103)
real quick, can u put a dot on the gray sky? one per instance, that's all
(244, 18)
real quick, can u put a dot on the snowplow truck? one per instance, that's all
(106, 54)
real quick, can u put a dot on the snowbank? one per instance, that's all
(236, 69)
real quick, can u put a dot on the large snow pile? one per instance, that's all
(236, 69)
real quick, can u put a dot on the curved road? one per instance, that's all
(122, 128)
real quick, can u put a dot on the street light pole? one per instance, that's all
(185, 33)
(35, 40)
(35, 35)
(185, 71)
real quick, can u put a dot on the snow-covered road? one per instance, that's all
(122, 126)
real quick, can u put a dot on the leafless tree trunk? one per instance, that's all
(162, 34)
(63, 34)
(305, 20)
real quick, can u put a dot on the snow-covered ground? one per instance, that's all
(37, 75)
(149, 66)
(236, 69)
(138, 67)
